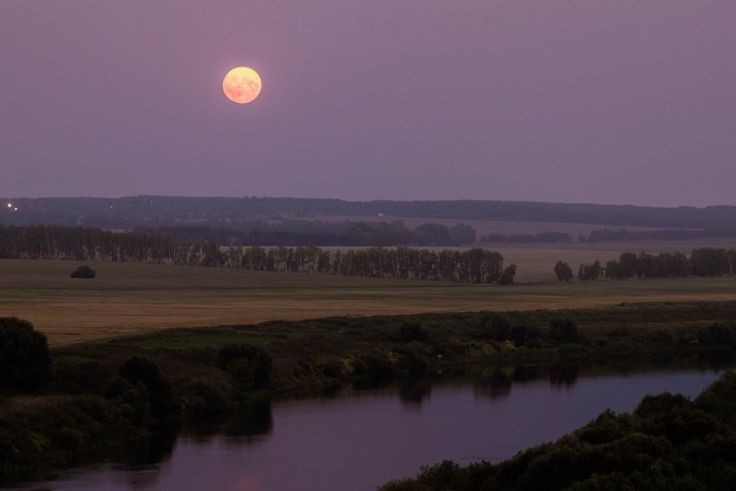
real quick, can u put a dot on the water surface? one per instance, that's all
(361, 439)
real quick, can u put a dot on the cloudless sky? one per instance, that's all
(625, 101)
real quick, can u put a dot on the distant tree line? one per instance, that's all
(306, 233)
(135, 211)
(538, 238)
(626, 235)
(86, 244)
(705, 261)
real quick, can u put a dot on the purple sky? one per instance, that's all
(625, 101)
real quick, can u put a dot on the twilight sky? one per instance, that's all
(625, 101)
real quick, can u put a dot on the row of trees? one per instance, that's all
(538, 238)
(471, 266)
(627, 235)
(704, 261)
(85, 244)
(303, 232)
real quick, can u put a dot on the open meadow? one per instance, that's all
(136, 298)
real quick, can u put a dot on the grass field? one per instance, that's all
(135, 298)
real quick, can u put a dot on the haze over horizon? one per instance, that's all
(626, 102)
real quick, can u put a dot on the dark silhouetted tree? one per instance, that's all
(563, 271)
(25, 361)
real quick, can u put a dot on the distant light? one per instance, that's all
(15, 209)
(10, 205)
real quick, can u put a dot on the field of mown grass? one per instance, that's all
(138, 298)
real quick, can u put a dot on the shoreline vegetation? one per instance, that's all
(106, 399)
(668, 442)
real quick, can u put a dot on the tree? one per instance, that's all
(25, 361)
(563, 271)
(589, 272)
(83, 271)
(496, 327)
(563, 330)
(250, 365)
(508, 275)
(413, 331)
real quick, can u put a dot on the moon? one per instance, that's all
(242, 85)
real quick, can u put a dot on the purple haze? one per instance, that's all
(626, 101)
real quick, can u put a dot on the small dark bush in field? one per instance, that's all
(522, 335)
(413, 331)
(83, 271)
(495, 327)
(563, 330)
(719, 334)
(250, 365)
(25, 361)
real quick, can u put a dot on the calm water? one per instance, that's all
(358, 440)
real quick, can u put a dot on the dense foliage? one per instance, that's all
(25, 360)
(702, 262)
(668, 442)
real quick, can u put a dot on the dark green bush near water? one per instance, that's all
(719, 334)
(522, 335)
(563, 330)
(495, 327)
(668, 443)
(413, 331)
(25, 361)
(251, 366)
(146, 391)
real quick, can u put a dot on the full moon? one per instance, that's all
(242, 85)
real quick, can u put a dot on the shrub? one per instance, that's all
(149, 390)
(25, 361)
(563, 330)
(508, 275)
(719, 334)
(413, 331)
(250, 365)
(522, 335)
(563, 271)
(375, 365)
(83, 271)
(495, 327)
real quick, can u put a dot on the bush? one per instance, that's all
(250, 365)
(83, 272)
(719, 334)
(375, 365)
(25, 361)
(495, 327)
(522, 335)
(563, 330)
(563, 271)
(149, 391)
(508, 275)
(413, 331)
